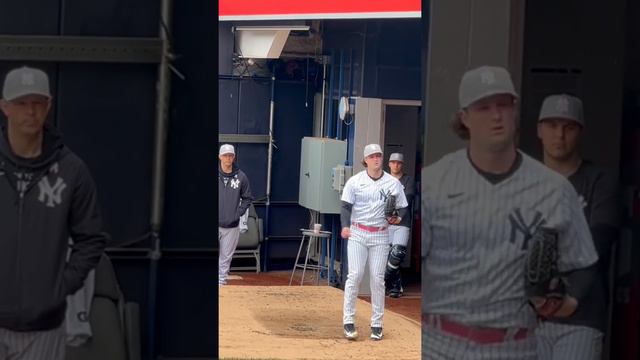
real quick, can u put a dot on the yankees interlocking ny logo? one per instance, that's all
(28, 79)
(235, 183)
(383, 195)
(51, 195)
(562, 105)
(487, 77)
(519, 227)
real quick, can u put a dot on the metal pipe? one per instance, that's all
(306, 86)
(298, 55)
(330, 111)
(340, 80)
(236, 77)
(269, 166)
(332, 247)
(162, 100)
(159, 158)
(270, 150)
(350, 73)
(351, 126)
(324, 89)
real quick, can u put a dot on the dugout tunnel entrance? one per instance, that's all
(300, 95)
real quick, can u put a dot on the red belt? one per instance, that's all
(481, 335)
(370, 228)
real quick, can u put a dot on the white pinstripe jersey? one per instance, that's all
(368, 197)
(475, 236)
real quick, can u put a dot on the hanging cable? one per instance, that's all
(306, 86)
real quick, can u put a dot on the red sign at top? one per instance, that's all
(317, 9)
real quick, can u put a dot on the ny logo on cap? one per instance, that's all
(28, 79)
(562, 105)
(487, 77)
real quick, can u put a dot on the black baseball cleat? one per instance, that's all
(396, 290)
(376, 333)
(350, 331)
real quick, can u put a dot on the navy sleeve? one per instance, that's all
(410, 188)
(89, 239)
(345, 214)
(604, 217)
(402, 212)
(246, 198)
(580, 281)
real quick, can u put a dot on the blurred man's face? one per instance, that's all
(491, 122)
(560, 137)
(374, 161)
(395, 167)
(26, 115)
(226, 159)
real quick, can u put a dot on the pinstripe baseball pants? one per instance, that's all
(363, 245)
(438, 345)
(568, 342)
(398, 235)
(228, 240)
(32, 345)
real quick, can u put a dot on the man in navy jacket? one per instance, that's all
(234, 198)
(47, 196)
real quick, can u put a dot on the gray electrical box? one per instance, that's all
(318, 159)
(340, 175)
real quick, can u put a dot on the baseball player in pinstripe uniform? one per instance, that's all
(365, 228)
(581, 335)
(480, 207)
(399, 234)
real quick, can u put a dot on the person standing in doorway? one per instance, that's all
(47, 195)
(234, 198)
(580, 336)
(399, 234)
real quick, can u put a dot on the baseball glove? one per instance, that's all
(390, 207)
(545, 289)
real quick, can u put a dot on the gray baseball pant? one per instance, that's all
(228, 240)
(33, 345)
(568, 342)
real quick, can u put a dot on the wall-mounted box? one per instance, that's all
(318, 158)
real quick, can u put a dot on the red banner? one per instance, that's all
(317, 9)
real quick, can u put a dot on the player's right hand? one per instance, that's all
(556, 307)
(345, 233)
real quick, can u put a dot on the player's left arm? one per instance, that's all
(86, 230)
(246, 198)
(410, 188)
(576, 252)
(401, 203)
(605, 215)
(575, 243)
(604, 220)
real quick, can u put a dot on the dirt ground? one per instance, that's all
(407, 305)
(305, 322)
